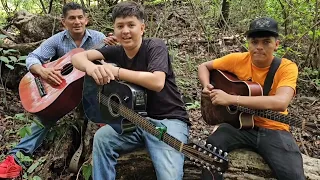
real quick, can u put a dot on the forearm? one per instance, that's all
(144, 79)
(203, 74)
(260, 102)
(36, 69)
(81, 61)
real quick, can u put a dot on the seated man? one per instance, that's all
(271, 139)
(75, 36)
(144, 62)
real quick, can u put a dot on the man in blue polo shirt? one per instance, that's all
(75, 36)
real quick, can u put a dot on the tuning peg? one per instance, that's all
(203, 142)
(221, 161)
(204, 152)
(208, 168)
(210, 155)
(213, 167)
(214, 149)
(199, 149)
(194, 146)
(196, 160)
(225, 154)
(215, 158)
(220, 151)
(209, 146)
(191, 158)
(201, 162)
(218, 169)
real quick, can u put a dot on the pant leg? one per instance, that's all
(107, 145)
(228, 138)
(167, 161)
(30, 143)
(280, 151)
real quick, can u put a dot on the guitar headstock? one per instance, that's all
(206, 156)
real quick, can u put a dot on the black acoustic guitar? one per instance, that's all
(118, 103)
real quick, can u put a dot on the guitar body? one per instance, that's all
(122, 106)
(216, 114)
(129, 95)
(48, 101)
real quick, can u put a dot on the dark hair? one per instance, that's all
(128, 8)
(71, 6)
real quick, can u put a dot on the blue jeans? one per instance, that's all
(168, 162)
(30, 143)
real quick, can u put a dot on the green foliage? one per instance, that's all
(194, 105)
(86, 171)
(22, 158)
(11, 57)
(313, 76)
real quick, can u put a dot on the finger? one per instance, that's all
(99, 76)
(55, 78)
(58, 73)
(110, 34)
(108, 71)
(105, 77)
(96, 79)
(210, 86)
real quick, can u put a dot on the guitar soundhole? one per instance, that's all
(67, 69)
(113, 105)
(232, 109)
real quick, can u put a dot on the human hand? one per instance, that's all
(102, 74)
(219, 97)
(207, 89)
(110, 40)
(51, 75)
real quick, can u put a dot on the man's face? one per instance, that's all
(261, 49)
(129, 31)
(75, 21)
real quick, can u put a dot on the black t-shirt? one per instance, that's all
(152, 56)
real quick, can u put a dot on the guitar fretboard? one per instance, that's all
(276, 116)
(142, 123)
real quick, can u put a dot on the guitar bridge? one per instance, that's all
(40, 87)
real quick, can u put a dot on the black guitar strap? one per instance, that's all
(269, 79)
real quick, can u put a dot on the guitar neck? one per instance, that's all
(149, 127)
(276, 116)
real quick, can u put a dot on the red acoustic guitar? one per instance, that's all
(239, 116)
(48, 101)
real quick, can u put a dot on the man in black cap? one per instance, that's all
(271, 139)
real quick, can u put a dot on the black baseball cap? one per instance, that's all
(264, 26)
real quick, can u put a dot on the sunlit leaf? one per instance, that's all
(2, 36)
(10, 66)
(4, 59)
(86, 171)
(13, 58)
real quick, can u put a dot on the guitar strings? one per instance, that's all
(151, 127)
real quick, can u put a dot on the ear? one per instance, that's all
(277, 44)
(142, 28)
(86, 19)
(63, 22)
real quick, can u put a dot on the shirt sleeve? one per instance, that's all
(288, 76)
(226, 63)
(43, 53)
(109, 53)
(158, 58)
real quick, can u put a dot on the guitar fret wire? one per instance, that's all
(149, 126)
(273, 115)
